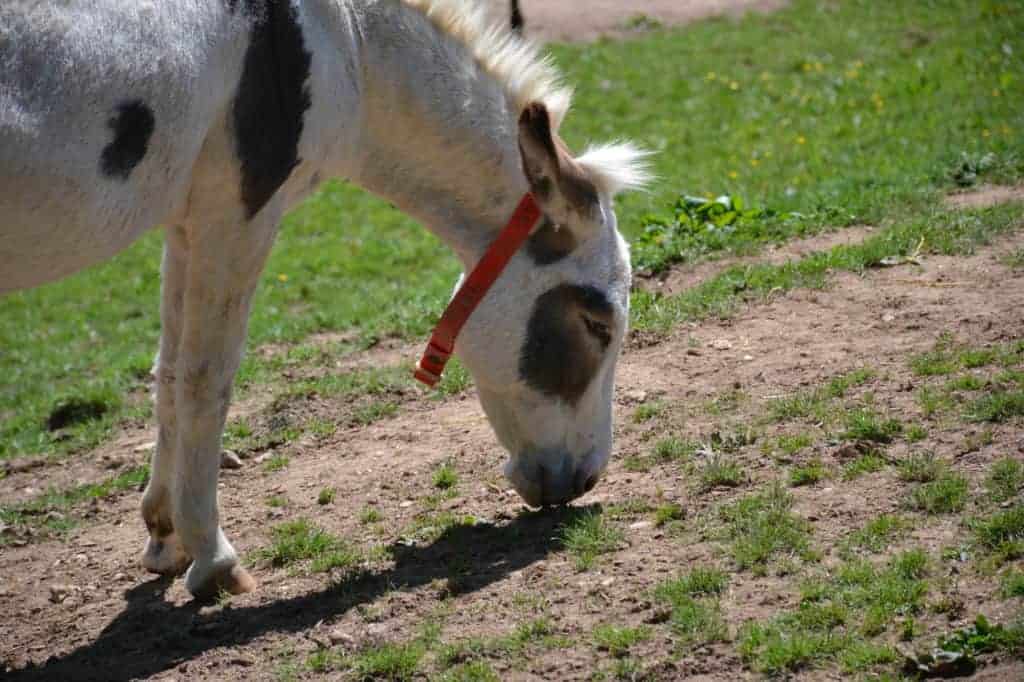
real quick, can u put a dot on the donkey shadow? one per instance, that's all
(151, 635)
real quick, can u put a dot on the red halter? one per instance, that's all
(473, 290)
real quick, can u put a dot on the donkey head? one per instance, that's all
(544, 344)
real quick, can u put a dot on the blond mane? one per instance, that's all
(527, 75)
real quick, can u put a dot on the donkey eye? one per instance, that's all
(598, 330)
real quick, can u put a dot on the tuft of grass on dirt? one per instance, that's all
(877, 534)
(1001, 534)
(761, 527)
(588, 535)
(946, 494)
(865, 424)
(721, 471)
(370, 515)
(868, 463)
(807, 474)
(617, 640)
(920, 467)
(1005, 479)
(649, 411)
(53, 512)
(445, 476)
(326, 496)
(299, 543)
(696, 617)
(997, 406)
(667, 513)
(839, 618)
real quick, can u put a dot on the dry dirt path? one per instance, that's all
(81, 608)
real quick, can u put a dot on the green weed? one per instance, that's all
(588, 535)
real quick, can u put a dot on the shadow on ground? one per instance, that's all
(151, 635)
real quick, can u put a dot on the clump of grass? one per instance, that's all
(1012, 583)
(973, 358)
(945, 495)
(936, 362)
(673, 449)
(868, 463)
(370, 515)
(836, 618)
(877, 534)
(1005, 479)
(299, 541)
(807, 474)
(933, 402)
(761, 526)
(998, 406)
(966, 382)
(277, 501)
(789, 445)
(799, 406)
(648, 411)
(915, 433)
(367, 414)
(1001, 533)
(721, 472)
(445, 477)
(387, 662)
(696, 615)
(838, 386)
(325, 496)
(920, 467)
(617, 641)
(864, 424)
(535, 633)
(276, 463)
(667, 513)
(588, 535)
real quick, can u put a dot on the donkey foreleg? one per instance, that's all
(224, 264)
(164, 553)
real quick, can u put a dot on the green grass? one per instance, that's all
(998, 406)
(721, 471)
(867, 463)
(535, 634)
(299, 543)
(1012, 584)
(617, 640)
(588, 535)
(944, 495)
(920, 467)
(866, 425)
(1005, 479)
(52, 513)
(667, 513)
(370, 515)
(1001, 534)
(326, 496)
(761, 527)
(696, 617)
(862, 132)
(445, 477)
(840, 618)
(276, 463)
(877, 534)
(648, 411)
(807, 474)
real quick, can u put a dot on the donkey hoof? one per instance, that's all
(165, 556)
(233, 580)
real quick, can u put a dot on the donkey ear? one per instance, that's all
(562, 186)
(537, 146)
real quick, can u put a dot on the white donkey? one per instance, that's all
(211, 117)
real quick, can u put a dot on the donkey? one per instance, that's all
(212, 117)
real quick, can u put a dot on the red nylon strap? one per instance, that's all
(473, 290)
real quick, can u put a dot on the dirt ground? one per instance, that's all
(114, 621)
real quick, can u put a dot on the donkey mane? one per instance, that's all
(516, 63)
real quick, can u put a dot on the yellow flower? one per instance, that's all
(733, 174)
(734, 85)
(282, 277)
(711, 76)
(985, 132)
(755, 162)
(801, 139)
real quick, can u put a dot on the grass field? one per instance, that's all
(849, 492)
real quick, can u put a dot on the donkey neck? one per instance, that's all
(438, 137)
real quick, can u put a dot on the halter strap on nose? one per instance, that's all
(474, 288)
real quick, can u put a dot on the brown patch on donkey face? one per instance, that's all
(566, 340)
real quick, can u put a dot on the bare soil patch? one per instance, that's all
(985, 196)
(81, 608)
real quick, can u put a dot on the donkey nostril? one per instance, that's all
(591, 482)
